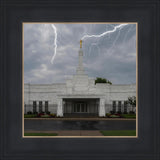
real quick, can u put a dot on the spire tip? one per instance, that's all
(80, 43)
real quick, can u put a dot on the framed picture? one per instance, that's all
(39, 121)
(60, 96)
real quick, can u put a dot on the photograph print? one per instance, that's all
(80, 80)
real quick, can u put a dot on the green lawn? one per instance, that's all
(128, 115)
(40, 134)
(119, 133)
(30, 115)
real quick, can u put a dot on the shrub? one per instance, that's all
(131, 112)
(45, 116)
(108, 115)
(48, 112)
(125, 112)
(35, 112)
(114, 116)
(53, 115)
(29, 112)
(119, 112)
(112, 112)
(40, 114)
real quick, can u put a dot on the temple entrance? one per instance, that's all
(80, 107)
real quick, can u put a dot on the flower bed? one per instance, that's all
(40, 115)
(116, 115)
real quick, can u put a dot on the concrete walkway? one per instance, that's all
(71, 133)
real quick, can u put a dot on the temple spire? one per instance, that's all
(80, 69)
(80, 43)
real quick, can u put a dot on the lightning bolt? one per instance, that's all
(94, 45)
(109, 52)
(85, 36)
(55, 42)
(104, 33)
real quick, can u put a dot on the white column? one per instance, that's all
(102, 108)
(60, 108)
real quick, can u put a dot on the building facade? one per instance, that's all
(78, 95)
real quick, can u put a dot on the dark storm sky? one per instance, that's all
(112, 56)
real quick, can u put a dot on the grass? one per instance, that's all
(119, 133)
(30, 115)
(40, 134)
(45, 116)
(128, 115)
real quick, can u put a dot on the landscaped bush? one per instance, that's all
(114, 116)
(29, 112)
(112, 112)
(131, 112)
(40, 114)
(53, 115)
(119, 112)
(35, 112)
(45, 116)
(125, 112)
(48, 112)
(108, 114)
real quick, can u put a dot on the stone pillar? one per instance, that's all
(102, 108)
(60, 108)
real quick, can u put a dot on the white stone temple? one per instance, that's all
(78, 95)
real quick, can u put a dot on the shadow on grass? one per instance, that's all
(40, 134)
(119, 133)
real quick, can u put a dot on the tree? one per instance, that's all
(132, 101)
(102, 80)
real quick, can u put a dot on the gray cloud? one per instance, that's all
(112, 56)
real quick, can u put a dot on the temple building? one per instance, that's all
(78, 95)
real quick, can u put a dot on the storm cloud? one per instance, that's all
(112, 56)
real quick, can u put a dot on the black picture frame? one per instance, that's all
(13, 146)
